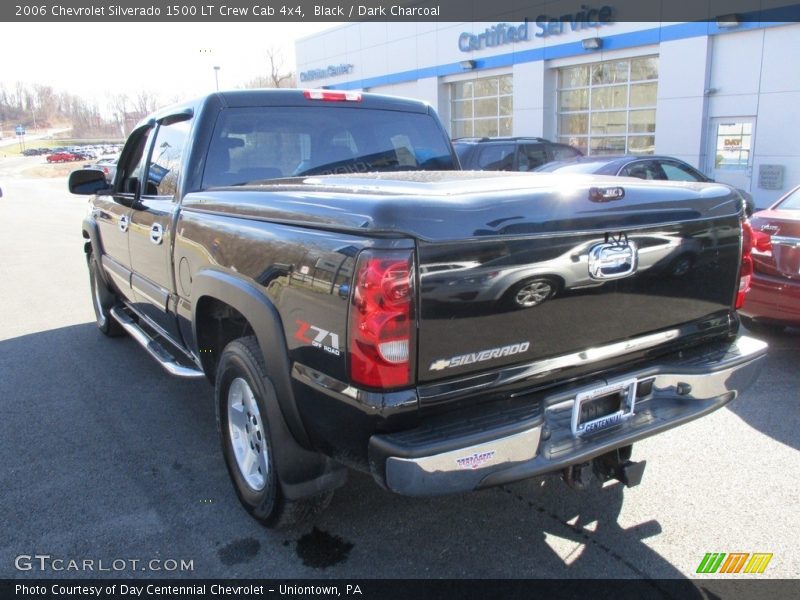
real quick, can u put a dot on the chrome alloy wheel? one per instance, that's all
(247, 434)
(533, 293)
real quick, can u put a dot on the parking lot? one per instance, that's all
(108, 458)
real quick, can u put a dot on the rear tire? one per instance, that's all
(103, 300)
(242, 393)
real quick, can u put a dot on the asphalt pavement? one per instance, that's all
(107, 458)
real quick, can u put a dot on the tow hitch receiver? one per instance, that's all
(631, 473)
(614, 465)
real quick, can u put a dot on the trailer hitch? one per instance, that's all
(613, 465)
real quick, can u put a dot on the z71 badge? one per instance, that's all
(473, 357)
(320, 335)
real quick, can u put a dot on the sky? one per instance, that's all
(171, 60)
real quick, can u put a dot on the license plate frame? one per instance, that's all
(626, 389)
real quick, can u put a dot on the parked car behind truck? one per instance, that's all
(774, 301)
(641, 166)
(281, 243)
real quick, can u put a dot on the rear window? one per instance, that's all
(792, 201)
(564, 152)
(256, 144)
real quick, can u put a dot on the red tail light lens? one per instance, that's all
(746, 268)
(381, 327)
(762, 242)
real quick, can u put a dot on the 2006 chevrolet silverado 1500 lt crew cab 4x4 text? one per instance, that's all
(359, 302)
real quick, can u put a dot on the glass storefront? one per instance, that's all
(481, 107)
(609, 107)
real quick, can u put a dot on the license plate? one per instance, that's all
(603, 407)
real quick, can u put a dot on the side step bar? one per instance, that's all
(156, 350)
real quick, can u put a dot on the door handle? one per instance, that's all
(156, 233)
(123, 223)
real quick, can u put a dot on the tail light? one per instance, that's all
(762, 242)
(746, 268)
(381, 326)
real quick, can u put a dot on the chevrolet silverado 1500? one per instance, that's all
(359, 302)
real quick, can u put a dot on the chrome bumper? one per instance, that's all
(674, 391)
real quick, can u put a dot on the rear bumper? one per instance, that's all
(514, 443)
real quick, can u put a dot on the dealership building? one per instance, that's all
(723, 95)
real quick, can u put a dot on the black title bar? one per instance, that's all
(392, 589)
(241, 11)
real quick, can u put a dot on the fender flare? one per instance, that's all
(90, 230)
(302, 472)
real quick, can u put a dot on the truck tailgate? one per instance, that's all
(558, 275)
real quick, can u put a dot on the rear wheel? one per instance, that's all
(242, 395)
(103, 300)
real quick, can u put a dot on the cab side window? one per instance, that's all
(164, 169)
(131, 163)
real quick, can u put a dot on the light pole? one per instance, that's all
(216, 75)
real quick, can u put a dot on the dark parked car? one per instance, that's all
(642, 167)
(510, 153)
(774, 298)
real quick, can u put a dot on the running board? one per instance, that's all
(156, 350)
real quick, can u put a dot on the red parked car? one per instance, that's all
(62, 157)
(774, 298)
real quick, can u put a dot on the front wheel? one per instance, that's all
(242, 393)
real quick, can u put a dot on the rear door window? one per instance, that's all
(532, 156)
(497, 157)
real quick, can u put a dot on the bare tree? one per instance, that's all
(274, 78)
(118, 104)
(276, 60)
(145, 102)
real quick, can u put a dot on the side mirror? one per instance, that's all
(87, 181)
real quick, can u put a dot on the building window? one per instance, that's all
(481, 107)
(609, 107)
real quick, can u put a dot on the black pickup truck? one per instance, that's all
(359, 302)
